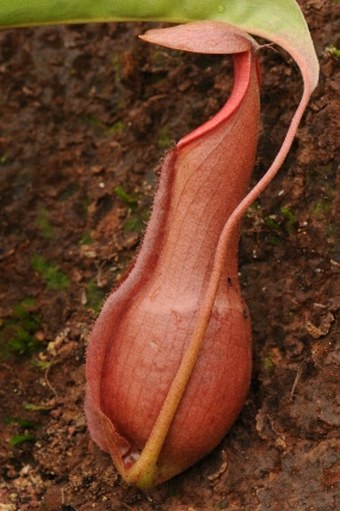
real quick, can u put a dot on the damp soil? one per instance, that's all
(86, 114)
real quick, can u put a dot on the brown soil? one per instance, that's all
(86, 113)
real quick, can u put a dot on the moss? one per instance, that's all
(271, 222)
(128, 199)
(42, 365)
(290, 219)
(95, 296)
(25, 435)
(116, 128)
(17, 440)
(50, 273)
(93, 122)
(133, 224)
(321, 207)
(86, 238)
(284, 222)
(44, 225)
(254, 206)
(268, 364)
(17, 334)
(254, 213)
(164, 140)
(23, 423)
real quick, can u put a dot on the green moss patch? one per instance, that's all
(95, 296)
(17, 333)
(50, 273)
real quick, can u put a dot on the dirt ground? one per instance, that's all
(86, 114)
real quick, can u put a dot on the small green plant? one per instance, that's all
(268, 364)
(95, 296)
(20, 439)
(129, 200)
(290, 219)
(17, 333)
(271, 221)
(137, 221)
(86, 238)
(283, 222)
(133, 224)
(164, 140)
(50, 273)
(333, 51)
(25, 427)
(42, 365)
(31, 407)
